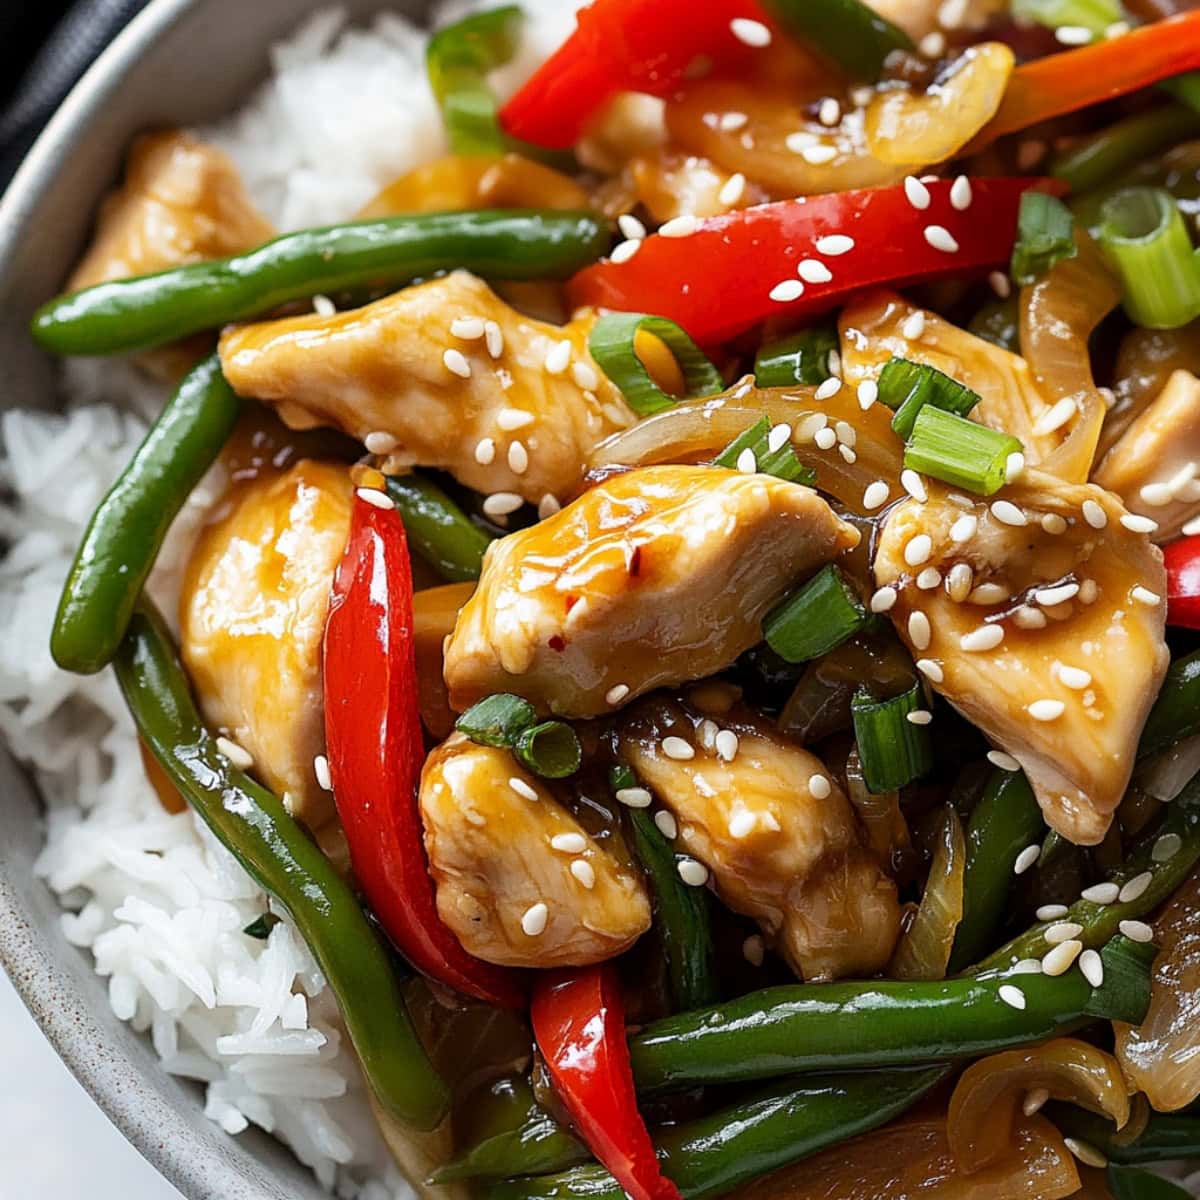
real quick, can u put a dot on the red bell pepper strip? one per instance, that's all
(1064, 83)
(718, 282)
(579, 1022)
(376, 750)
(1182, 560)
(622, 45)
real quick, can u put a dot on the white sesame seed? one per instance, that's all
(1007, 513)
(919, 716)
(868, 393)
(1034, 1100)
(883, 600)
(622, 252)
(380, 443)
(1045, 710)
(746, 462)
(1138, 524)
(933, 45)
(374, 497)
(727, 745)
(569, 843)
(634, 797)
(918, 549)
(929, 579)
(1055, 417)
(1085, 1151)
(961, 194)
(1166, 847)
(584, 872)
(693, 873)
(1026, 859)
(959, 581)
(1089, 589)
(940, 238)
(834, 245)
(931, 670)
(742, 824)
(989, 593)
(630, 226)
(1135, 888)
(914, 485)
(828, 389)
(522, 789)
(667, 825)
(1058, 960)
(616, 693)
(819, 155)
(1092, 966)
(1001, 284)
(323, 306)
(800, 141)
(456, 363)
(493, 337)
(750, 32)
(1136, 931)
(1014, 467)
(753, 950)
(1063, 931)
(485, 452)
(731, 122)
(678, 749)
(1051, 912)
(963, 530)
(985, 637)
(917, 193)
(913, 326)
(548, 505)
(1192, 527)
(819, 787)
(1094, 515)
(585, 376)
(825, 439)
(501, 504)
(469, 329)
(829, 113)
(919, 631)
(1076, 678)
(1026, 966)
(862, 95)
(778, 437)
(849, 455)
(808, 427)
(1053, 524)
(1011, 995)
(1100, 893)
(512, 419)
(679, 227)
(1145, 596)
(786, 290)
(732, 190)
(812, 271)
(876, 495)
(533, 922)
(518, 458)
(1157, 494)
(321, 771)
(1056, 595)
(558, 357)
(1073, 35)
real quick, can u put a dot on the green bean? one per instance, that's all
(856, 37)
(1130, 1183)
(1176, 712)
(438, 530)
(280, 856)
(137, 314)
(127, 530)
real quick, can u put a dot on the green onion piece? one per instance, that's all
(497, 720)
(781, 463)
(857, 38)
(1165, 1136)
(612, 345)
(438, 530)
(1125, 993)
(999, 322)
(1045, 236)
(1185, 88)
(550, 750)
(1096, 15)
(1144, 236)
(1132, 1183)
(891, 749)
(907, 387)
(823, 614)
(963, 453)
(621, 777)
(801, 359)
(458, 60)
(261, 927)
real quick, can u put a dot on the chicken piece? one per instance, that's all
(507, 891)
(670, 184)
(252, 617)
(181, 202)
(1046, 631)
(651, 578)
(1155, 466)
(777, 834)
(515, 410)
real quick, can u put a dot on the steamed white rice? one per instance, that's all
(159, 903)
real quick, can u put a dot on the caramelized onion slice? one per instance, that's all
(986, 1108)
(435, 610)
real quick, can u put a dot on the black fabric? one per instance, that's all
(58, 41)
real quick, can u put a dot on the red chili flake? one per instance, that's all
(558, 643)
(571, 602)
(635, 561)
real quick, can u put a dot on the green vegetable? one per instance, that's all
(1096, 15)
(1143, 234)
(497, 720)
(857, 38)
(803, 358)
(281, 857)
(779, 1125)
(1166, 1136)
(137, 314)
(962, 453)
(823, 614)
(261, 927)
(550, 749)
(612, 345)
(1045, 236)
(891, 749)
(1129, 1183)
(1176, 712)
(882, 1023)
(782, 462)
(1006, 820)
(438, 530)
(123, 539)
(908, 387)
(999, 322)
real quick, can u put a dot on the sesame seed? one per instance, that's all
(1166, 847)
(1014, 467)
(1192, 527)
(959, 581)
(819, 155)
(862, 95)
(1052, 523)
(558, 358)
(1138, 524)
(828, 389)
(1045, 710)
(1145, 596)
(812, 271)
(518, 458)
(799, 141)
(750, 32)
(929, 579)
(1051, 912)
(819, 787)
(456, 363)
(917, 193)
(501, 504)
(727, 745)
(931, 670)
(1073, 35)
(913, 326)
(1055, 417)
(732, 190)
(919, 716)
(548, 505)
(493, 337)
(919, 631)
(1026, 966)
(986, 637)
(988, 593)
(1063, 931)
(1005, 762)
(731, 122)
(964, 529)
(584, 872)
(323, 306)
(374, 497)
(622, 252)
(1157, 494)
(810, 426)
(666, 823)
(960, 193)
(829, 112)
(1008, 513)
(786, 290)
(1076, 678)
(533, 922)
(778, 437)
(522, 789)
(485, 452)
(1092, 966)
(1011, 995)
(940, 238)
(1034, 1100)
(512, 419)
(634, 797)
(380, 443)
(933, 45)
(616, 693)
(868, 393)
(876, 495)
(1085, 1151)
(825, 439)
(742, 824)
(1136, 931)
(693, 873)
(753, 950)
(883, 600)
(1089, 589)
(834, 245)
(322, 772)
(1094, 515)
(679, 227)
(585, 376)
(678, 749)
(918, 549)
(1029, 618)
(1100, 893)
(1135, 888)
(569, 843)
(1058, 960)
(914, 485)
(746, 462)
(1056, 595)
(849, 455)
(630, 226)
(470, 329)
(1026, 859)
(1000, 284)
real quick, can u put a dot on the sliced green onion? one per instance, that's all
(959, 452)
(1132, 1183)
(1096, 15)
(438, 530)
(781, 463)
(1045, 236)
(999, 322)
(1144, 236)
(857, 38)
(823, 614)
(261, 927)
(803, 358)
(891, 749)
(1125, 993)
(907, 387)
(458, 60)
(612, 345)
(550, 749)
(621, 777)
(497, 720)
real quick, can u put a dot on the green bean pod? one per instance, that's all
(438, 530)
(1167, 1136)
(137, 314)
(776, 1127)
(127, 530)
(538, 1146)
(1176, 712)
(883, 1023)
(280, 856)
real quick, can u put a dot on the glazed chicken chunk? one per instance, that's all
(654, 577)
(252, 619)
(776, 832)
(1041, 618)
(446, 375)
(519, 881)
